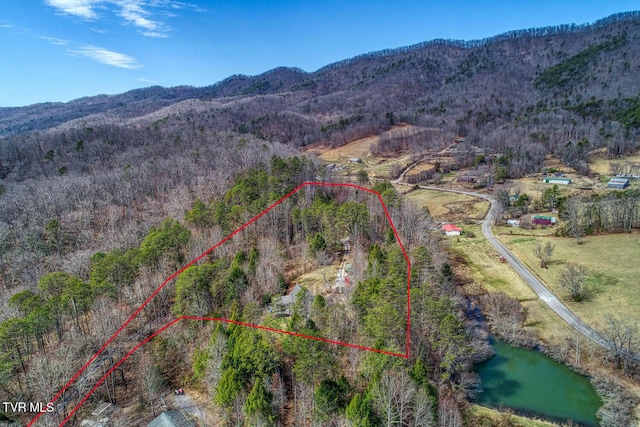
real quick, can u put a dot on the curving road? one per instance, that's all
(538, 287)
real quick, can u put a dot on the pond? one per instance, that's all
(530, 382)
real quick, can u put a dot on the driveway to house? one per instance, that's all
(538, 287)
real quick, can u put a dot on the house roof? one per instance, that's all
(450, 227)
(291, 297)
(170, 419)
(618, 181)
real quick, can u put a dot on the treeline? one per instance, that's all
(614, 212)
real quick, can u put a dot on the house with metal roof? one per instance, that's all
(283, 306)
(618, 183)
(290, 298)
(543, 220)
(451, 230)
(171, 419)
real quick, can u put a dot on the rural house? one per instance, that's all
(170, 419)
(451, 230)
(283, 305)
(543, 220)
(618, 183)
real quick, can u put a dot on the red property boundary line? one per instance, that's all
(404, 355)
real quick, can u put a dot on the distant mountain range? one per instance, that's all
(546, 86)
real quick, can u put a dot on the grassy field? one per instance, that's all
(445, 206)
(613, 286)
(601, 164)
(358, 148)
(485, 268)
(479, 416)
(535, 188)
(377, 167)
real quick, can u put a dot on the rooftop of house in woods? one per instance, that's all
(170, 419)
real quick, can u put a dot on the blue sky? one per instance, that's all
(58, 50)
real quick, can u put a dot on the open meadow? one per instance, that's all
(446, 206)
(612, 287)
(485, 269)
(376, 166)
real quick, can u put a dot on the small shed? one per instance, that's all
(513, 222)
(170, 419)
(619, 183)
(555, 180)
(451, 230)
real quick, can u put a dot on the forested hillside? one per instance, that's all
(574, 82)
(103, 198)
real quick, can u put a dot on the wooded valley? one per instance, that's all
(103, 198)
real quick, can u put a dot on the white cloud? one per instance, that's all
(142, 14)
(133, 12)
(54, 40)
(107, 57)
(81, 8)
(145, 80)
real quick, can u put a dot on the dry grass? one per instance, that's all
(377, 167)
(446, 206)
(535, 188)
(314, 281)
(421, 167)
(612, 259)
(600, 164)
(358, 148)
(380, 167)
(494, 276)
(480, 416)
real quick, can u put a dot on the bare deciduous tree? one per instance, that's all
(151, 382)
(543, 252)
(572, 277)
(623, 337)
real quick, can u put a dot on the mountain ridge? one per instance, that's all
(519, 94)
(40, 116)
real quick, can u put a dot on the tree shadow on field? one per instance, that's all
(596, 284)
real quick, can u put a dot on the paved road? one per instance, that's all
(538, 287)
